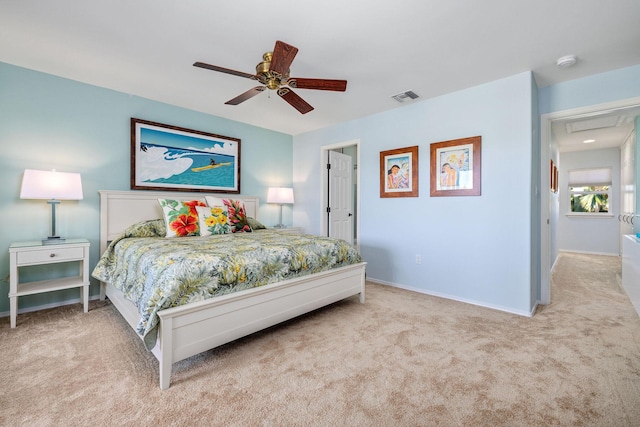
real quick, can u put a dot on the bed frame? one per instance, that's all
(191, 329)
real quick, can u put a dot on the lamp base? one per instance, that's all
(53, 240)
(280, 225)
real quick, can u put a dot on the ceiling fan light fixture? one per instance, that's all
(566, 61)
(262, 68)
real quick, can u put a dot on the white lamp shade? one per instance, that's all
(38, 184)
(280, 195)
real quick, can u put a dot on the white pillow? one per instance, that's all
(214, 201)
(213, 220)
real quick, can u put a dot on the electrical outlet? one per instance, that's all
(418, 259)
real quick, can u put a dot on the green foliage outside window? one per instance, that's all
(591, 199)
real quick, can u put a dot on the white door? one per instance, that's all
(340, 196)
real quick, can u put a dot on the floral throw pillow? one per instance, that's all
(181, 217)
(237, 216)
(237, 213)
(213, 220)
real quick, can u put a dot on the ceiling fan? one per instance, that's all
(273, 73)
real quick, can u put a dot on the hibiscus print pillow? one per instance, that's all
(181, 217)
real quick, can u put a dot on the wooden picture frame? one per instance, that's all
(553, 178)
(165, 157)
(399, 172)
(456, 167)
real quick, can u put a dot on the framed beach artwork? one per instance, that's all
(399, 172)
(455, 167)
(165, 157)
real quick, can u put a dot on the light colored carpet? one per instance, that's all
(401, 359)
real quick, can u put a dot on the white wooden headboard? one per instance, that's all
(120, 209)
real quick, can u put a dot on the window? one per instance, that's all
(589, 191)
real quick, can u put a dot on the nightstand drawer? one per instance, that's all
(48, 255)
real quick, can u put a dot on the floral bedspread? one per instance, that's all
(157, 273)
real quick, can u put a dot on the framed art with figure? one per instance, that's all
(455, 167)
(165, 157)
(399, 172)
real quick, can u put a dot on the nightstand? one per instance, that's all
(292, 230)
(25, 254)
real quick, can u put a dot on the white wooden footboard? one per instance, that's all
(189, 330)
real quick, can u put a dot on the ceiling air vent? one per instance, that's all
(405, 96)
(594, 123)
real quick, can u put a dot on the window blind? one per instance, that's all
(597, 176)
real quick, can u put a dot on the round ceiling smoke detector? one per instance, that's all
(566, 61)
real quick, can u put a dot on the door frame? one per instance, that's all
(324, 190)
(545, 154)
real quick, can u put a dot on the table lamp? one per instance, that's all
(52, 186)
(280, 196)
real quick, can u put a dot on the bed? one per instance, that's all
(187, 330)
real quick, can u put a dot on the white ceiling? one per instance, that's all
(604, 129)
(381, 47)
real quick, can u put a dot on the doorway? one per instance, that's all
(351, 149)
(549, 216)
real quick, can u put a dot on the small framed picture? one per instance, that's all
(455, 167)
(399, 172)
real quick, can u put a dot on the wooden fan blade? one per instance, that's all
(247, 95)
(225, 70)
(319, 84)
(294, 100)
(283, 55)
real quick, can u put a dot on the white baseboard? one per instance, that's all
(455, 298)
(589, 252)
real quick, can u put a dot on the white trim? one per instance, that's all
(571, 251)
(589, 215)
(454, 298)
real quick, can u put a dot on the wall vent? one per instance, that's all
(405, 96)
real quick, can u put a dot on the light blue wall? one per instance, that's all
(592, 235)
(47, 122)
(476, 249)
(597, 89)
